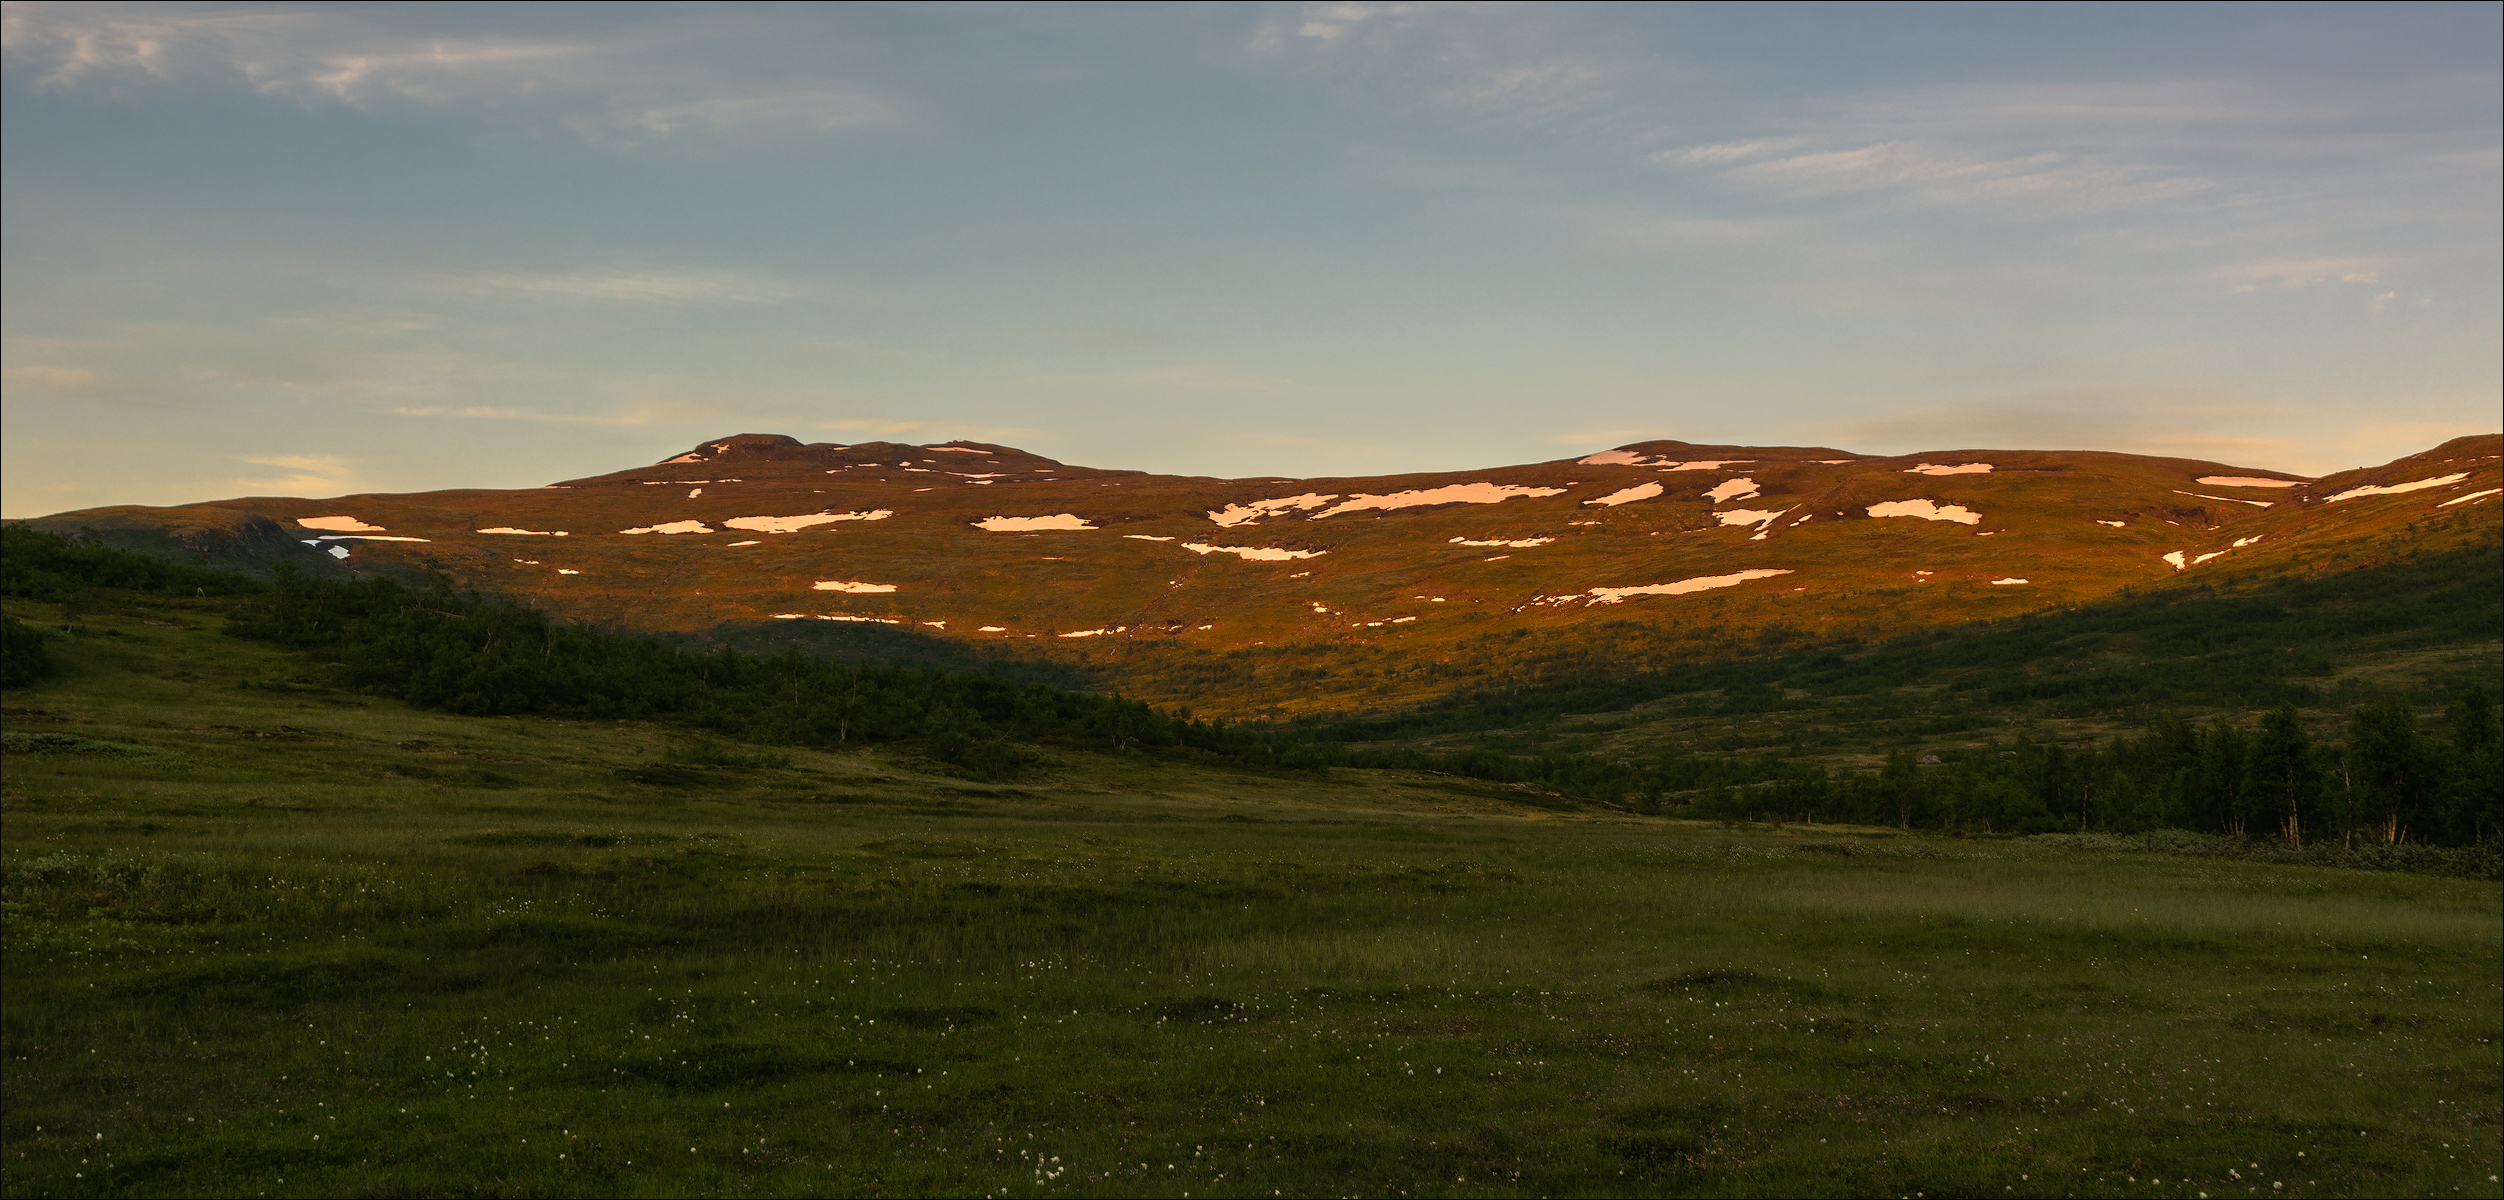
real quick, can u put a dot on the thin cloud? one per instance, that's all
(2290, 274)
(59, 379)
(717, 288)
(321, 472)
(657, 413)
(885, 427)
(632, 84)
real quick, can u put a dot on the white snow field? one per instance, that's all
(1031, 524)
(1640, 491)
(796, 524)
(1523, 544)
(1682, 587)
(1629, 458)
(507, 529)
(750, 542)
(361, 537)
(2008, 581)
(672, 527)
(341, 524)
(1098, 632)
(2225, 499)
(1942, 469)
(2114, 524)
(1457, 493)
(1145, 537)
(2396, 488)
(1928, 510)
(2247, 481)
(1237, 514)
(567, 571)
(1731, 489)
(2470, 498)
(838, 585)
(1755, 518)
(339, 552)
(1254, 553)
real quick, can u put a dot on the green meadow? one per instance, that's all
(264, 937)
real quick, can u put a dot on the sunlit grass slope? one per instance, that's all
(280, 940)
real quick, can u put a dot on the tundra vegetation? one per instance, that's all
(318, 888)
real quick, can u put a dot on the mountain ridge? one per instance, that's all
(1181, 588)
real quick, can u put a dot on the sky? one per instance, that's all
(322, 249)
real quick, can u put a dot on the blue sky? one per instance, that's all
(313, 249)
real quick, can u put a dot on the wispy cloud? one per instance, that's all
(313, 472)
(2287, 275)
(708, 288)
(49, 378)
(2042, 183)
(886, 427)
(1193, 379)
(630, 83)
(655, 413)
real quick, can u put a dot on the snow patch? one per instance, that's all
(1145, 537)
(1254, 553)
(2246, 481)
(340, 524)
(2179, 559)
(1458, 493)
(1024, 524)
(1237, 514)
(567, 571)
(2240, 543)
(2114, 524)
(1402, 620)
(2006, 582)
(993, 629)
(1755, 518)
(2473, 496)
(796, 524)
(1682, 587)
(1098, 632)
(672, 527)
(2392, 490)
(339, 552)
(1630, 458)
(1732, 489)
(750, 542)
(1928, 510)
(1523, 544)
(838, 585)
(527, 532)
(2223, 499)
(1640, 491)
(1944, 469)
(692, 493)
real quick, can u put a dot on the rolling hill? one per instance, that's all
(1284, 596)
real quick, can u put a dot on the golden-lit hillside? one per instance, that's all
(1286, 595)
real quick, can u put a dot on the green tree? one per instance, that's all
(2389, 766)
(2284, 782)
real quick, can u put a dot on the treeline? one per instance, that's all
(2387, 780)
(2252, 647)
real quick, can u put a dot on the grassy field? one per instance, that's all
(263, 938)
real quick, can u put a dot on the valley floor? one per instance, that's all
(266, 938)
